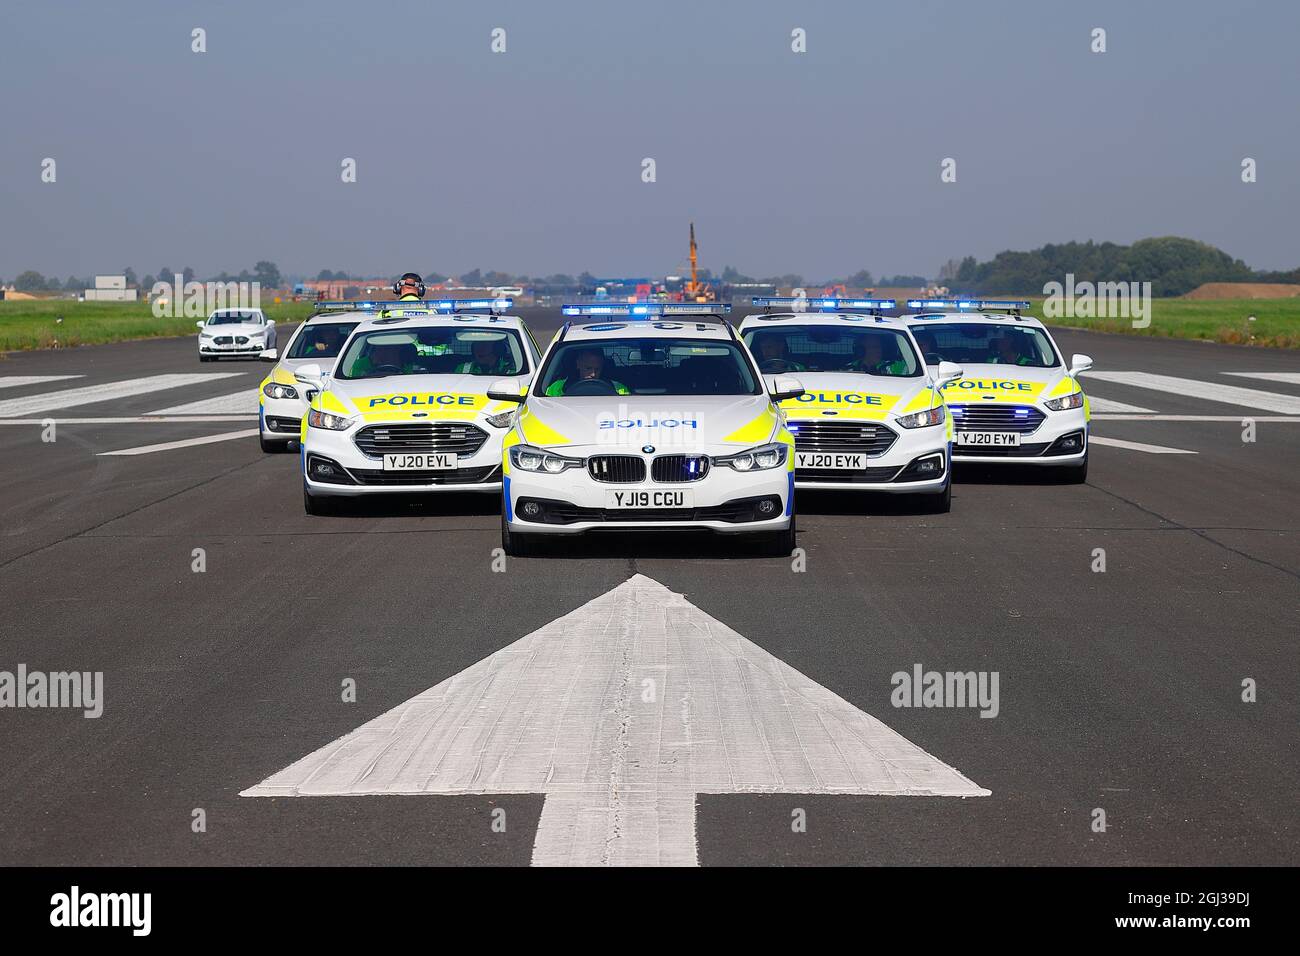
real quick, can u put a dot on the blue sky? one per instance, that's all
(529, 161)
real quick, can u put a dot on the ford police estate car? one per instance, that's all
(871, 417)
(405, 408)
(281, 399)
(232, 333)
(644, 418)
(1017, 401)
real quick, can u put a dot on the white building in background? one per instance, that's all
(110, 289)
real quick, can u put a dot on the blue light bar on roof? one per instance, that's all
(971, 305)
(418, 306)
(802, 304)
(647, 309)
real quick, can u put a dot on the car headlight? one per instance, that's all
(334, 423)
(503, 420)
(528, 458)
(1073, 400)
(205, 335)
(756, 459)
(931, 416)
(276, 390)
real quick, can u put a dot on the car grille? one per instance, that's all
(457, 476)
(867, 476)
(1024, 419)
(824, 435)
(457, 438)
(241, 340)
(737, 511)
(616, 468)
(223, 340)
(670, 468)
(1024, 450)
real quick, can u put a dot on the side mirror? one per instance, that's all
(268, 355)
(270, 321)
(1080, 363)
(784, 387)
(309, 375)
(505, 391)
(199, 324)
(948, 372)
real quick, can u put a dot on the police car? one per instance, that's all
(405, 407)
(648, 417)
(1018, 402)
(872, 417)
(281, 399)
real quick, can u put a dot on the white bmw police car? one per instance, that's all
(405, 408)
(648, 417)
(281, 399)
(871, 418)
(1018, 402)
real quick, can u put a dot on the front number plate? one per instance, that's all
(430, 462)
(649, 499)
(839, 462)
(995, 439)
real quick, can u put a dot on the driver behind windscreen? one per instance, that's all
(395, 357)
(590, 367)
(772, 347)
(869, 357)
(1006, 351)
(489, 359)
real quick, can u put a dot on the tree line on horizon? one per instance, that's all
(1173, 265)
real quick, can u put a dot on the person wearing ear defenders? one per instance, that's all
(409, 286)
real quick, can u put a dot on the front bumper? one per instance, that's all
(1060, 439)
(280, 419)
(915, 462)
(725, 501)
(355, 473)
(252, 348)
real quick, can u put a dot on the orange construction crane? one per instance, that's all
(695, 290)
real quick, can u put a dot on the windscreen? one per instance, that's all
(322, 340)
(647, 366)
(983, 343)
(433, 351)
(234, 318)
(833, 348)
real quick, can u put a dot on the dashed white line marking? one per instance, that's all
(13, 381)
(183, 443)
(1290, 378)
(567, 711)
(235, 402)
(1139, 446)
(89, 394)
(1206, 391)
(1097, 404)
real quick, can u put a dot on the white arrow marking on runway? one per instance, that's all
(1139, 446)
(232, 404)
(183, 443)
(13, 381)
(1206, 391)
(1289, 378)
(90, 394)
(561, 712)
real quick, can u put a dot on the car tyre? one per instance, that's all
(317, 506)
(518, 545)
(1075, 474)
(941, 503)
(780, 544)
